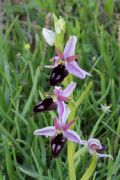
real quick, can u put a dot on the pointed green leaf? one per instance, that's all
(91, 168)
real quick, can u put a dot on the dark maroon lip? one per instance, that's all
(57, 144)
(46, 105)
(58, 74)
(100, 151)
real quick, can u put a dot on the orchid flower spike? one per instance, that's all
(66, 63)
(94, 144)
(59, 96)
(60, 132)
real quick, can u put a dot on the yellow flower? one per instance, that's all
(27, 46)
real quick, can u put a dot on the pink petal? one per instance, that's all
(100, 155)
(66, 127)
(62, 98)
(61, 107)
(59, 54)
(56, 62)
(68, 90)
(72, 58)
(65, 114)
(72, 136)
(63, 111)
(57, 90)
(74, 69)
(70, 47)
(55, 59)
(104, 155)
(94, 143)
(56, 124)
(48, 131)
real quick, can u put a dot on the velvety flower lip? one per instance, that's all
(57, 144)
(95, 145)
(60, 128)
(68, 58)
(46, 105)
(58, 74)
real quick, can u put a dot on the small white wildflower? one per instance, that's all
(105, 108)
(94, 58)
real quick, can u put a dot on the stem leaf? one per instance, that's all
(91, 168)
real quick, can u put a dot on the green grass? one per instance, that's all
(23, 80)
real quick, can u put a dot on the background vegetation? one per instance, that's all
(23, 81)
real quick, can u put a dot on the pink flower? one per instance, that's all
(94, 144)
(58, 101)
(67, 59)
(60, 132)
(63, 95)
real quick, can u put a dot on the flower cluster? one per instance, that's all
(64, 63)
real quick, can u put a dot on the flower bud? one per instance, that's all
(60, 25)
(49, 36)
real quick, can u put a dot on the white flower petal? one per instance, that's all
(65, 114)
(68, 90)
(70, 47)
(48, 131)
(72, 136)
(74, 69)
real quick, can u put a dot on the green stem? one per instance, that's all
(70, 154)
(70, 145)
(89, 172)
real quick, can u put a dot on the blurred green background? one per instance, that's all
(23, 81)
